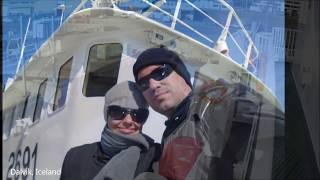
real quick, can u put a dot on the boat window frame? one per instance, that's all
(55, 107)
(25, 104)
(18, 112)
(34, 119)
(30, 106)
(7, 115)
(87, 67)
(22, 107)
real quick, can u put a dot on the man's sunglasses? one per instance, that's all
(118, 113)
(158, 74)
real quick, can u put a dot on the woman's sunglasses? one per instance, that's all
(158, 74)
(118, 113)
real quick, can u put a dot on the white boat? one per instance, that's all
(55, 101)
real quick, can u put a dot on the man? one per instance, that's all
(210, 138)
(190, 145)
(165, 84)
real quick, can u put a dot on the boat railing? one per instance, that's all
(249, 52)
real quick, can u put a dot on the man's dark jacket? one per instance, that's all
(178, 117)
(85, 161)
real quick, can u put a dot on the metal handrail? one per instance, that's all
(177, 19)
(251, 44)
(219, 24)
(246, 53)
(225, 28)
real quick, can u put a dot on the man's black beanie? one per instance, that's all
(155, 56)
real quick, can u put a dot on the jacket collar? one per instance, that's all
(178, 116)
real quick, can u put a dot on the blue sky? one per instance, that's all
(264, 19)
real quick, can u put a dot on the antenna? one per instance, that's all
(21, 57)
(22, 47)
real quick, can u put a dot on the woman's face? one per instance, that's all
(126, 120)
(125, 125)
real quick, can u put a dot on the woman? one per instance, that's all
(123, 152)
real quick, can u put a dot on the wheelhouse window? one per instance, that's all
(62, 85)
(40, 100)
(102, 69)
(11, 115)
(30, 107)
(7, 117)
(25, 103)
(18, 113)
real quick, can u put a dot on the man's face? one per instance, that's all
(166, 94)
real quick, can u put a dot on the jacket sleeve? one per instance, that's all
(65, 166)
